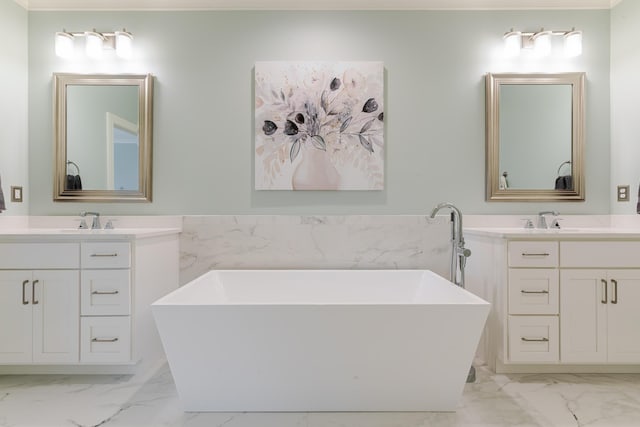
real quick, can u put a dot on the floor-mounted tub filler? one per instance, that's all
(320, 340)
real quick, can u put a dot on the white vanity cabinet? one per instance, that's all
(600, 306)
(81, 302)
(39, 290)
(560, 303)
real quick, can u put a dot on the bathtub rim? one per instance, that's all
(459, 292)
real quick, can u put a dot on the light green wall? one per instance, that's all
(435, 62)
(625, 96)
(13, 104)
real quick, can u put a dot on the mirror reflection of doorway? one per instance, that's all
(122, 154)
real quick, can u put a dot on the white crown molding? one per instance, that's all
(315, 4)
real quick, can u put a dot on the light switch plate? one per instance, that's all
(623, 193)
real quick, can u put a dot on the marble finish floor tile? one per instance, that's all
(495, 400)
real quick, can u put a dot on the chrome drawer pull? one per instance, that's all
(534, 254)
(34, 301)
(104, 340)
(104, 255)
(534, 339)
(24, 296)
(604, 291)
(614, 299)
(534, 292)
(105, 292)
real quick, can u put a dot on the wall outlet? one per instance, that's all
(16, 194)
(623, 193)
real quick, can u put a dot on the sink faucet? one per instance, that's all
(95, 223)
(542, 220)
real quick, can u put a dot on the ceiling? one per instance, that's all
(314, 4)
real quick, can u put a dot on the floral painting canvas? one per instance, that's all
(319, 126)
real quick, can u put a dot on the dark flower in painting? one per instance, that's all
(335, 84)
(300, 118)
(370, 106)
(269, 127)
(381, 116)
(290, 128)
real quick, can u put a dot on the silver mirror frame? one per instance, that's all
(145, 121)
(493, 191)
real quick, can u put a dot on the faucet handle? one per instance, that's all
(528, 223)
(556, 223)
(83, 224)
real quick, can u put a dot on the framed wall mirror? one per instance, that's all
(535, 137)
(103, 137)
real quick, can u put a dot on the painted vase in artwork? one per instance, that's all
(315, 171)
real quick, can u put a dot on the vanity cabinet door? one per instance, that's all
(583, 310)
(600, 311)
(39, 316)
(623, 316)
(56, 316)
(15, 317)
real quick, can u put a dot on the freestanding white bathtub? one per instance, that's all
(330, 340)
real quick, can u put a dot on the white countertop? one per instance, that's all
(61, 234)
(66, 228)
(85, 234)
(555, 234)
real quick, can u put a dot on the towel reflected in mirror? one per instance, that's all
(73, 181)
(2, 205)
(564, 182)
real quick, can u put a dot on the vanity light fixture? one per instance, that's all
(540, 42)
(95, 43)
(573, 43)
(512, 43)
(64, 44)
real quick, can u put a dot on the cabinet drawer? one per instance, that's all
(105, 255)
(533, 254)
(105, 292)
(533, 291)
(20, 256)
(105, 339)
(600, 254)
(533, 339)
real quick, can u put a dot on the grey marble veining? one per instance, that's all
(313, 242)
(525, 400)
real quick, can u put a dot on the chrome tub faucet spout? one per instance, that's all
(459, 253)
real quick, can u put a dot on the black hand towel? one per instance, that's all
(69, 183)
(77, 183)
(564, 183)
(2, 205)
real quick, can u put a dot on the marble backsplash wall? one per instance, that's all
(313, 242)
